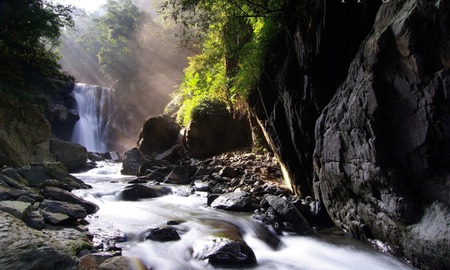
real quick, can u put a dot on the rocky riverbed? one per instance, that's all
(43, 224)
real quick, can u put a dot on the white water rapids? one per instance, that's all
(322, 251)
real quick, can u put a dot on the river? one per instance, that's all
(130, 219)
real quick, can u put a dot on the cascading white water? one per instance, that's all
(131, 218)
(94, 105)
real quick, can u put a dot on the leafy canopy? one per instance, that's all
(232, 36)
(29, 32)
(111, 38)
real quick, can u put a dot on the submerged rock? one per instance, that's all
(163, 234)
(136, 192)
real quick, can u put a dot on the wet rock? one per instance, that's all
(179, 175)
(56, 218)
(164, 234)
(228, 172)
(290, 213)
(158, 175)
(18, 209)
(35, 220)
(158, 134)
(25, 248)
(38, 174)
(57, 207)
(226, 252)
(236, 201)
(138, 181)
(7, 193)
(59, 194)
(151, 165)
(72, 155)
(271, 218)
(226, 248)
(18, 183)
(136, 192)
(172, 155)
(200, 185)
(107, 261)
(131, 161)
(115, 263)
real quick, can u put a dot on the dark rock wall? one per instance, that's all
(354, 101)
(382, 143)
(24, 133)
(303, 68)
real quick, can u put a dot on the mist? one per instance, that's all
(153, 67)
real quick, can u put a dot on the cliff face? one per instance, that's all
(372, 139)
(302, 71)
(24, 133)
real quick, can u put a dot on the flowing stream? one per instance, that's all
(131, 219)
(94, 106)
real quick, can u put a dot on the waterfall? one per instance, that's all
(94, 106)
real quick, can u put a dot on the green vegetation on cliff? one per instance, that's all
(232, 37)
(29, 35)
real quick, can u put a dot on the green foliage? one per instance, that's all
(234, 37)
(111, 38)
(29, 33)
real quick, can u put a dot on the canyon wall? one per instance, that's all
(354, 101)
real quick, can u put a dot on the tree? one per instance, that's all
(112, 39)
(29, 32)
(233, 36)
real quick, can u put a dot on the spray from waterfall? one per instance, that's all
(95, 107)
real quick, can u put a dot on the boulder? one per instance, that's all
(116, 263)
(74, 211)
(152, 164)
(158, 134)
(172, 155)
(43, 174)
(136, 192)
(179, 175)
(226, 248)
(212, 132)
(236, 201)
(289, 213)
(18, 209)
(228, 172)
(71, 155)
(25, 248)
(163, 234)
(131, 161)
(35, 220)
(55, 193)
